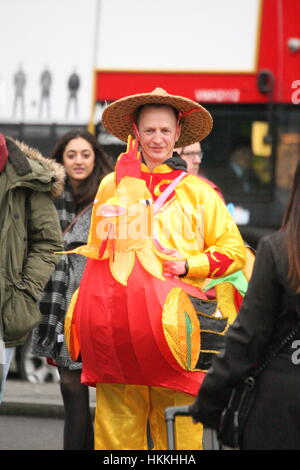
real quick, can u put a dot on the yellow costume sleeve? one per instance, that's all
(198, 225)
(71, 338)
(223, 250)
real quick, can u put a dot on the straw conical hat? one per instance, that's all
(196, 121)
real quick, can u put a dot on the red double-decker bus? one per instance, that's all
(241, 60)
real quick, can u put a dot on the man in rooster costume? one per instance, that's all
(157, 233)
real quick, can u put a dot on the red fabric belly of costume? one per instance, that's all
(120, 330)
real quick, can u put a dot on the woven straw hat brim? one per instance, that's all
(117, 118)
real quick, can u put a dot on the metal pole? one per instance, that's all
(170, 414)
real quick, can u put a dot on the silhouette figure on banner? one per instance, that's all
(19, 81)
(45, 82)
(73, 87)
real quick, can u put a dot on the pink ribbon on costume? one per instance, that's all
(166, 193)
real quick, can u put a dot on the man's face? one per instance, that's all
(158, 131)
(192, 154)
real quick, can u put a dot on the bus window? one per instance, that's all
(232, 161)
(288, 148)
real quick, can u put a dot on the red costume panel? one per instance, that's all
(121, 340)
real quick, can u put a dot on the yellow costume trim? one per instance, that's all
(151, 263)
(181, 328)
(71, 338)
(121, 265)
(213, 331)
(225, 294)
(219, 317)
(213, 351)
(250, 258)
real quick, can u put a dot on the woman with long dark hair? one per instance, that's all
(291, 225)
(271, 309)
(87, 187)
(85, 165)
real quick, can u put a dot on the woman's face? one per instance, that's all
(78, 160)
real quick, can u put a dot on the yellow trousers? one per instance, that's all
(123, 411)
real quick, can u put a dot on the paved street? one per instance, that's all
(26, 433)
(31, 417)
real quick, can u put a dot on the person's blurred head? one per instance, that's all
(262, 168)
(192, 155)
(291, 225)
(241, 153)
(85, 163)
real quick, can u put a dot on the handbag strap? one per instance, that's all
(273, 353)
(74, 220)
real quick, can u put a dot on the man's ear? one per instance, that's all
(135, 130)
(178, 132)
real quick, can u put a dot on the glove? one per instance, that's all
(129, 162)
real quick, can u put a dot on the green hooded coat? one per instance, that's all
(30, 233)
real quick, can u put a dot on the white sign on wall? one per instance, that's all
(171, 35)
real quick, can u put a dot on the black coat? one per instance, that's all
(268, 313)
